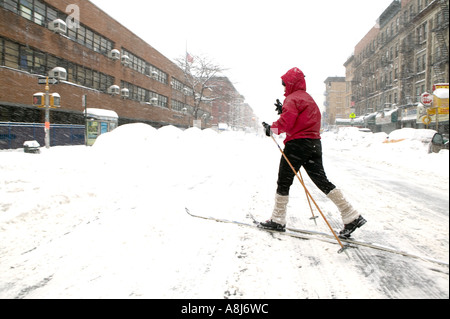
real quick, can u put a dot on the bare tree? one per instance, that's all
(199, 72)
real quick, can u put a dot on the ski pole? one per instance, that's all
(309, 194)
(314, 217)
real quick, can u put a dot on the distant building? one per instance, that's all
(229, 107)
(335, 106)
(404, 55)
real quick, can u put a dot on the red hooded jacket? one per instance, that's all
(301, 116)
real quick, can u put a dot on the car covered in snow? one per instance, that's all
(438, 143)
(430, 138)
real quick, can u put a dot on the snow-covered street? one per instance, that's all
(109, 221)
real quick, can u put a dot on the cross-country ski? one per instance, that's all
(317, 235)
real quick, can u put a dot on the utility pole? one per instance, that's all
(47, 114)
(47, 100)
(84, 104)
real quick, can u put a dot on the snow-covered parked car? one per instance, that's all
(438, 142)
(431, 139)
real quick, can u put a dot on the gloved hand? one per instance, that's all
(279, 107)
(267, 129)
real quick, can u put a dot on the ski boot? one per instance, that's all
(351, 227)
(270, 225)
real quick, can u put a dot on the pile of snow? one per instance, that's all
(127, 138)
(350, 137)
(355, 137)
(406, 148)
(411, 134)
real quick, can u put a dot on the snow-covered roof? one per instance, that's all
(101, 113)
(358, 120)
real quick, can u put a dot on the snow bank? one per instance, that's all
(422, 135)
(127, 138)
(405, 148)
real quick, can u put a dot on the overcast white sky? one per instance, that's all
(257, 40)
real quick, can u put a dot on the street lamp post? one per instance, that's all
(47, 114)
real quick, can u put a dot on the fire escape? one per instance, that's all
(407, 72)
(441, 57)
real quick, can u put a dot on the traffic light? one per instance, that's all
(55, 100)
(39, 100)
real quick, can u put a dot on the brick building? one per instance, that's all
(404, 55)
(106, 64)
(229, 107)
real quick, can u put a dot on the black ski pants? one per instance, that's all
(306, 153)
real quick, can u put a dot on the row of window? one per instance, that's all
(386, 80)
(21, 57)
(180, 86)
(185, 108)
(17, 56)
(182, 107)
(41, 13)
(143, 95)
(390, 75)
(377, 104)
(393, 52)
(90, 39)
(142, 66)
(33, 10)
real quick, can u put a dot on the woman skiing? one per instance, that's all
(300, 119)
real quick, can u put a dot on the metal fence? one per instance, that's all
(13, 135)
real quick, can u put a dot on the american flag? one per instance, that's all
(189, 58)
